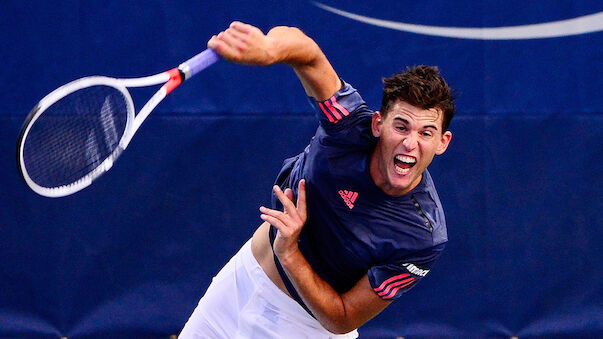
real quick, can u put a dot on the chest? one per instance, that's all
(347, 212)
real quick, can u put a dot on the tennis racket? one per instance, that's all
(76, 133)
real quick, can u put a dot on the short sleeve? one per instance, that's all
(345, 103)
(393, 279)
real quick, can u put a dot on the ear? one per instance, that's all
(376, 124)
(444, 142)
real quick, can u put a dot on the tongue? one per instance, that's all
(401, 164)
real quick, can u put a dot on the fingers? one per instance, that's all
(273, 218)
(233, 40)
(243, 44)
(291, 216)
(301, 198)
(286, 198)
(287, 202)
(227, 43)
(289, 194)
(240, 26)
(212, 42)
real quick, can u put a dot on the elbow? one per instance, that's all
(338, 319)
(341, 329)
(340, 326)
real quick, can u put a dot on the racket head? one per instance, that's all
(74, 135)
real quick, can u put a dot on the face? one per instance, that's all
(409, 138)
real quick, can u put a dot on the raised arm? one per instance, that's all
(246, 44)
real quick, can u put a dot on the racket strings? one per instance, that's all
(75, 135)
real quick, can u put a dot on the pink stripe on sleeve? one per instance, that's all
(326, 112)
(333, 110)
(398, 283)
(395, 290)
(400, 276)
(339, 107)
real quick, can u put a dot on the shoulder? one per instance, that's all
(345, 122)
(344, 105)
(429, 207)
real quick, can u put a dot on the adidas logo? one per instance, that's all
(348, 197)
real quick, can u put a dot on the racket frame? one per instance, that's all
(171, 79)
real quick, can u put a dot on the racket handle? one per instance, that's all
(198, 63)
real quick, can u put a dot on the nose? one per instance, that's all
(410, 142)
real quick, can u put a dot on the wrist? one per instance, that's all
(288, 257)
(272, 51)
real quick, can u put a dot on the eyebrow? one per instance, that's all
(407, 122)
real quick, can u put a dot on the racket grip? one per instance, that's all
(198, 63)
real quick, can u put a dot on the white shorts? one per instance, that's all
(242, 302)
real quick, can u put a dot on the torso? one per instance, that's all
(353, 227)
(262, 251)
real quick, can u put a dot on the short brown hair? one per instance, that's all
(421, 86)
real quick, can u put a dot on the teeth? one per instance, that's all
(402, 170)
(406, 159)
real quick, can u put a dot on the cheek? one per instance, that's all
(429, 149)
(389, 139)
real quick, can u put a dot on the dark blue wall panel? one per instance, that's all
(131, 255)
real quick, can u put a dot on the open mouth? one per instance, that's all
(404, 163)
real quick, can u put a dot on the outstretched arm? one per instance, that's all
(338, 313)
(246, 44)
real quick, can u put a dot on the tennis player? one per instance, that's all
(355, 221)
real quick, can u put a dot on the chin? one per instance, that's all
(402, 183)
(399, 185)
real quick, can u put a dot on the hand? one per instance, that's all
(243, 43)
(289, 222)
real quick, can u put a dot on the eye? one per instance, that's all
(427, 133)
(401, 128)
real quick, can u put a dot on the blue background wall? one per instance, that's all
(131, 255)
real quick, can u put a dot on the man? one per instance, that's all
(356, 220)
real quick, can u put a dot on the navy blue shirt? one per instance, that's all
(354, 228)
